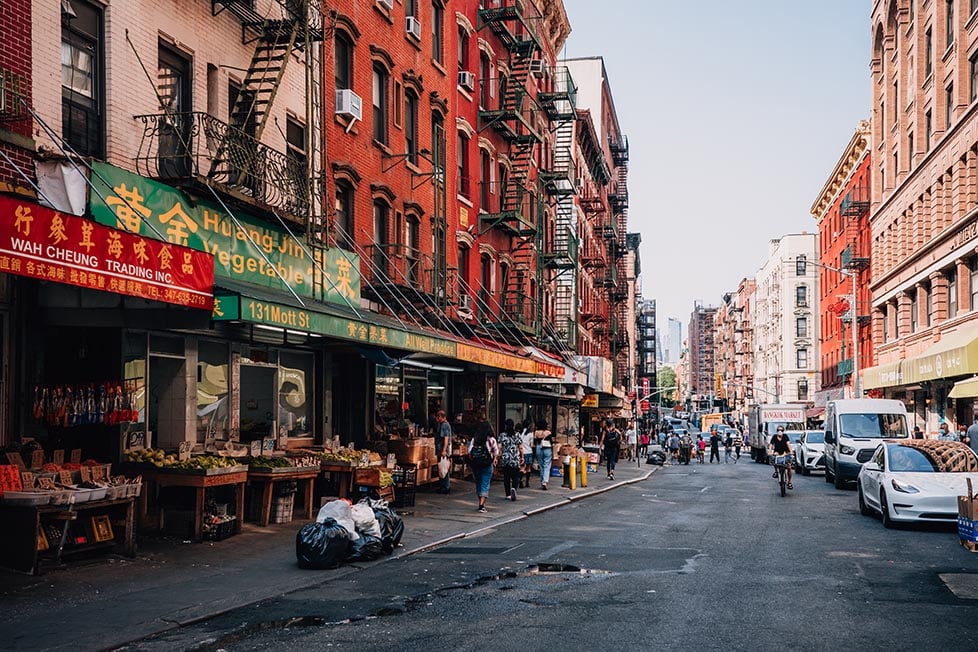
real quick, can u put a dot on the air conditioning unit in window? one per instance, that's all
(465, 307)
(413, 27)
(466, 79)
(387, 4)
(538, 67)
(349, 103)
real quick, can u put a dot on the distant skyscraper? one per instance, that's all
(670, 341)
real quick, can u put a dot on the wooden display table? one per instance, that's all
(21, 524)
(201, 482)
(345, 474)
(305, 477)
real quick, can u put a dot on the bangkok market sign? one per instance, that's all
(41, 243)
(139, 204)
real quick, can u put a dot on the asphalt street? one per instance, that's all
(696, 557)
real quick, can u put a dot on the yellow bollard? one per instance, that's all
(572, 469)
(582, 462)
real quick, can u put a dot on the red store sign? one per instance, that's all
(41, 243)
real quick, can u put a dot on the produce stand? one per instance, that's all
(267, 477)
(200, 480)
(29, 531)
(342, 474)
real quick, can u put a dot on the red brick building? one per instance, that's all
(15, 85)
(842, 213)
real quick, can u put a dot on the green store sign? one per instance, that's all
(237, 307)
(256, 252)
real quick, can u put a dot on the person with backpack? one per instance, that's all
(526, 439)
(483, 451)
(611, 442)
(727, 447)
(544, 440)
(510, 458)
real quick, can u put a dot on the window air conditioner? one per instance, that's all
(388, 4)
(466, 79)
(537, 67)
(465, 306)
(349, 103)
(413, 27)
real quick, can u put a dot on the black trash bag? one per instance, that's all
(322, 545)
(391, 528)
(366, 548)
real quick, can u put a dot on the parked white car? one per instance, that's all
(916, 480)
(810, 451)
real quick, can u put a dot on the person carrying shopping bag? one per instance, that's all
(544, 440)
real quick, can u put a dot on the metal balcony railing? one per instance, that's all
(400, 266)
(198, 147)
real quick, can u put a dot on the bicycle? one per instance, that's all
(781, 463)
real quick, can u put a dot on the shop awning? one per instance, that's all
(967, 388)
(815, 412)
(242, 302)
(955, 355)
(884, 375)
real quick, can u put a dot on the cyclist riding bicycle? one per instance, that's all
(781, 445)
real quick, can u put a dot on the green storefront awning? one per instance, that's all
(955, 355)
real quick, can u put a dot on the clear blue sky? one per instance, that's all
(736, 113)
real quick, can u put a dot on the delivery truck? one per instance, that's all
(763, 420)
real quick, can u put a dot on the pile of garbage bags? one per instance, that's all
(344, 532)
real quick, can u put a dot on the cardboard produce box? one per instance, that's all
(968, 519)
(413, 451)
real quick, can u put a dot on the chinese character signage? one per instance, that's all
(250, 250)
(41, 243)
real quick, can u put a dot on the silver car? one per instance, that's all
(810, 451)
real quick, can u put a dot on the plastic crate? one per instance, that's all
(282, 508)
(405, 475)
(404, 497)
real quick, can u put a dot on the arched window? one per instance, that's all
(380, 113)
(485, 284)
(485, 180)
(344, 215)
(381, 237)
(438, 144)
(343, 61)
(463, 164)
(411, 125)
(463, 48)
(485, 82)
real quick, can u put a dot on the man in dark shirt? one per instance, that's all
(781, 445)
(443, 448)
(715, 446)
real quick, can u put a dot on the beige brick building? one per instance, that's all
(924, 219)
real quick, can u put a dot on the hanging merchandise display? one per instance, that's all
(65, 406)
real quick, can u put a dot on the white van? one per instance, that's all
(854, 428)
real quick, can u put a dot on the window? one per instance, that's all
(973, 75)
(886, 324)
(803, 389)
(398, 115)
(973, 6)
(381, 237)
(344, 215)
(484, 81)
(896, 100)
(463, 164)
(173, 88)
(412, 251)
(463, 48)
(928, 129)
(948, 23)
(411, 8)
(973, 277)
(801, 327)
(485, 181)
(485, 283)
(82, 104)
(380, 104)
(910, 149)
(437, 29)
(929, 304)
(801, 265)
(801, 296)
(463, 266)
(913, 311)
(438, 146)
(411, 126)
(952, 292)
(929, 52)
(295, 139)
(343, 61)
(801, 358)
(948, 105)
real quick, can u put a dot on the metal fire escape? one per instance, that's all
(618, 294)
(515, 119)
(291, 27)
(558, 181)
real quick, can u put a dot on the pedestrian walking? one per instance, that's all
(701, 449)
(727, 447)
(944, 433)
(917, 434)
(674, 447)
(544, 441)
(611, 442)
(738, 442)
(443, 446)
(526, 439)
(714, 447)
(643, 445)
(483, 453)
(631, 439)
(973, 435)
(510, 458)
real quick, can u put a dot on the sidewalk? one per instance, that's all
(115, 600)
